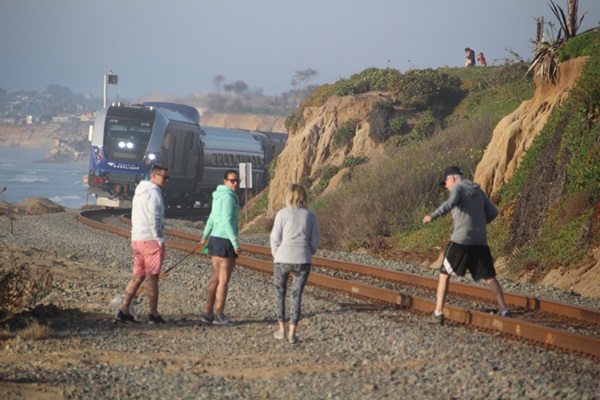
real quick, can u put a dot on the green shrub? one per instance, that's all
(291, 123)
(399, 126)
(306, 181)
(344, 133)
(378, 119)
(424, 127)
(580, 45)
(555, 247)
(368, 80)
(352, 161)
(272, 167)
(422, 89)
(325, 176)
(586, 94)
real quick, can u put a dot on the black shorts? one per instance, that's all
(220, 247)
(458, 258)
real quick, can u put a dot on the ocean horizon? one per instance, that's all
(24, 174)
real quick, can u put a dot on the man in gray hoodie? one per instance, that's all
(147, 242)
(468, 248)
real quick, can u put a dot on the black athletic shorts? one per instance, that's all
(220, 247)
(458, 258)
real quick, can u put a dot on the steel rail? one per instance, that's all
(526, 303)
(585, 345)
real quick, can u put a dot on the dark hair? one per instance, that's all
(467, 49)
(229, 171)
(156, 168)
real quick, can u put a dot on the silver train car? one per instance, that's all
(127, 140)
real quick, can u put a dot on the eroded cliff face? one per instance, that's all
(515, 133)
(33, 136)
(311, 146)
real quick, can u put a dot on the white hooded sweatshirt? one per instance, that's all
(148, 213)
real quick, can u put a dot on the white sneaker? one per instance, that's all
(221, 320)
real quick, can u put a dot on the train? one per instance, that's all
(127, 140)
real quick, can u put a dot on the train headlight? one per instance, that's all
(130, 145)
(121, 145)
(151, 156)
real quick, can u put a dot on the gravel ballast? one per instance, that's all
(342, 353)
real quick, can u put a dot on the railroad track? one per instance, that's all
(552, 324)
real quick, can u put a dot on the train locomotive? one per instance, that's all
(126, 140)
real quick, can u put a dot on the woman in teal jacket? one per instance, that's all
(223, 246)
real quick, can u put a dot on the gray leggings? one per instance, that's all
(280, 276)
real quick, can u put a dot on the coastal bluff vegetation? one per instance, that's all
(371, 148)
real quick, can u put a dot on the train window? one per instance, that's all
(237, 159)
(214, 159)
(230, 157)
(126, 139)
(220, 159)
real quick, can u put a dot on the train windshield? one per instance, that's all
(126, 139)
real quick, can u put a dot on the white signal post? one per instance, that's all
(109, 79)
(246, 181)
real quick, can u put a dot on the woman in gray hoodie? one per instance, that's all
(294, 240)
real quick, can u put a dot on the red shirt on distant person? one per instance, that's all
(481, 59)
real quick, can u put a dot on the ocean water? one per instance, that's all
(24, 176)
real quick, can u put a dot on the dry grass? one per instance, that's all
(33, 331)
(391, 195)
(23, 284)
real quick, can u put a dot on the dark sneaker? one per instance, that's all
(125, 318)
(504, 313)
(293, 339)
(435, 319)
(207, 319)
(156, 319)
(221, 320)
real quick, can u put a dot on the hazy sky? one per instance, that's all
(177, 47)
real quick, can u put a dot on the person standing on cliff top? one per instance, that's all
(468, 248)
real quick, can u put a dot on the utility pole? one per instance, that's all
(109, 79)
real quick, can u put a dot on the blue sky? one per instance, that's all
(177, 47)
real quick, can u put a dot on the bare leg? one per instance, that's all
(225, 270)
(211, 289)
(152, 294)
(442, 291)
(292, 330)
(130, 291)
(498, 294)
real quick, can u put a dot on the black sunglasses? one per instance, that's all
(234, 180)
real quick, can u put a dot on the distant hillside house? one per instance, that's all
(88, 116)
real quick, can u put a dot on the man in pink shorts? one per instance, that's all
(147, 242)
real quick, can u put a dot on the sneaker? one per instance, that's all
(156, 319)
(207, 319)
(504, 313)
(221, 320)
(293, 339)
(435, 319)
(125, 318)
(279, 335)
